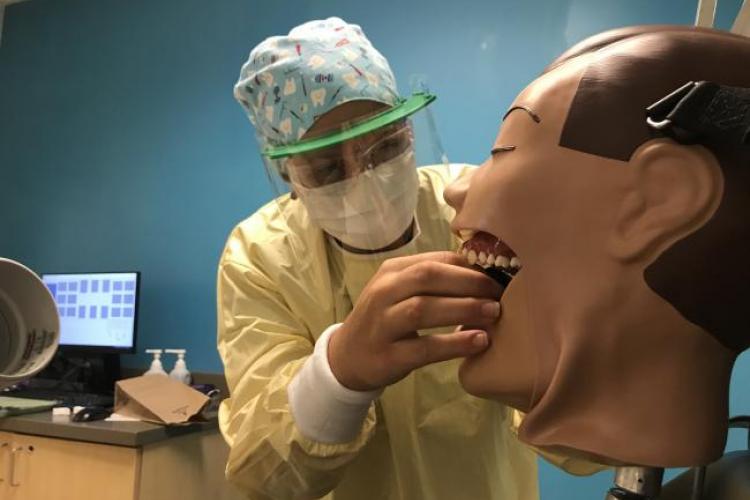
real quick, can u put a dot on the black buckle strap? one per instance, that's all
(700, 110)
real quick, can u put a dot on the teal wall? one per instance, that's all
(121, 146)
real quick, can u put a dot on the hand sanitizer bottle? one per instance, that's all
(156, 367)
(180, 371)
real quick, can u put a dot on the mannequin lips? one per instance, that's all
(489, 252)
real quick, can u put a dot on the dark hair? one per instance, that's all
(706, 275)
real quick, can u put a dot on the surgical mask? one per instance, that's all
(368, 211)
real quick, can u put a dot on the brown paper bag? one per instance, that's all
(159, 399)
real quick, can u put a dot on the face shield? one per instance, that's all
(358, 180)
(346, 160)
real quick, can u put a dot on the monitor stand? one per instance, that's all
(80, 372)
(105, 371)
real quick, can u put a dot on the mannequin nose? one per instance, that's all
(455, 193)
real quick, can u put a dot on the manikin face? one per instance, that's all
(584, 345)
(546, 203)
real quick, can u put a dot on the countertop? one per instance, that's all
(131, 434)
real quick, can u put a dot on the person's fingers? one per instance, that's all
(414, 353)
(443, 257)
(421, 312)
(437, 279)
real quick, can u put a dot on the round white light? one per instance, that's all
(29, 323)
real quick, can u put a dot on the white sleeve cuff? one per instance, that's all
(323, 409)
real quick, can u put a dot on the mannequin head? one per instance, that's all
(619, 333)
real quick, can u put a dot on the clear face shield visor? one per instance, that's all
(359, 183)
(350, 158)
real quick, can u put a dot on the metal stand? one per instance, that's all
(636, 483)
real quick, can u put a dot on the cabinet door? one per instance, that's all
(189, 467)
(6, 439)
(56, 469)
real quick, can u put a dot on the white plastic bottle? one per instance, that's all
(156, 366)
(180, 371)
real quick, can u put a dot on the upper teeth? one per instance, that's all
(486, 261)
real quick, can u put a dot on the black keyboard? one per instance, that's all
(65, 398)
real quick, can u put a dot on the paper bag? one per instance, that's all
(159, 399)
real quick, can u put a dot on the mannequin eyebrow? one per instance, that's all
(533, 115)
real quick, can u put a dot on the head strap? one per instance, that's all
(703, 110)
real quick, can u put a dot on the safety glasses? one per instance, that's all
(350, 158)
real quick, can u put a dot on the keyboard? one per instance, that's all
(63, 397)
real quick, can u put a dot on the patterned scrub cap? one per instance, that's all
(289, 81)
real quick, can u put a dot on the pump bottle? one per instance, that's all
(180, 371)
(156, 366)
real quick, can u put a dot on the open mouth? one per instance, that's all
(495, 258)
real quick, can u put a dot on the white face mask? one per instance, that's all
(368, 211)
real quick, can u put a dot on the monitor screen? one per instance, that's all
(98, 311)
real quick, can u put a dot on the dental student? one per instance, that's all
(322, 293)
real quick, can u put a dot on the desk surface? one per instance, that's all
(116, 433)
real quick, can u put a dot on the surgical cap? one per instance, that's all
(289, 81)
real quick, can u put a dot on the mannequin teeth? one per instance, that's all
(477, 252)
(502, 262)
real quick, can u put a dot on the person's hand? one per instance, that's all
(378, 344)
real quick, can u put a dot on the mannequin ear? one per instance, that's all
(674, 190)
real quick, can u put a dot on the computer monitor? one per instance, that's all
(98, 311)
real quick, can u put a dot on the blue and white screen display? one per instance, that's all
(97, 309)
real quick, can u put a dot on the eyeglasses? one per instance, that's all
(350, 158)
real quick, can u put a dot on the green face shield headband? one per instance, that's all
(402, 110)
